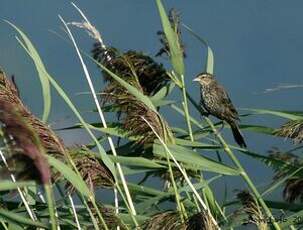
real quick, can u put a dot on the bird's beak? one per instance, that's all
(196, 79)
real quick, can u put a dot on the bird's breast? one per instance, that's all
(207, 98)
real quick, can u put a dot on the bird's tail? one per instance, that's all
(237, 134)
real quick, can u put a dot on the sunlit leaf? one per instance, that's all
(195, 160)
(18, 219)
(75, 179)
(209, 68)
(9, 185)
(136, 161)
(176, 53)
(284, 114)
(42, 72)
(61, 92)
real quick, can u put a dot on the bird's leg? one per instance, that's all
(222, 127)
(204, 113)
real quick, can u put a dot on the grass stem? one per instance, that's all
(51, 207)
(177, 196)
(100, 112)
(244, 174)
(239, 166)
(26, 204)
(74, 211)
(183, 172)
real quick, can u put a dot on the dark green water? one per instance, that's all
(257, 45)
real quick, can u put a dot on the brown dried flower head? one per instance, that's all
(142, 72)
(168, 220)
(200, 221)
(25, 120)
(93, 172)
(110, 217)
(252, 209)
(23, 144)
(292, 129)
(136, 126)
(9, 93)
(293, 189)
(136, 68)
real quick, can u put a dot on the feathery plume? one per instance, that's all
(10, 94)
(23, 143)
(293, 189)
(110, 217)
(292, 129)
(200, 221)
(93, 172)
(252, 209)
(168, 220)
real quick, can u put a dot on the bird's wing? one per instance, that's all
(225, 101)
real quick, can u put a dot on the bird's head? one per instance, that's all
(204, 78)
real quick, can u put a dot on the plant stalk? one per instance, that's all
(4, 225)
(128, 196)
(27, 207)
(51, 207)
(175, 188)
(238, 164)
(243, 174)
(183, 172)
(186, 111)
(188, 122)
(95, 223)
(74, 211)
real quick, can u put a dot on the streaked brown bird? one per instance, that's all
(215, 100)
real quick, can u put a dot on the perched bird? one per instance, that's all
(215, 100)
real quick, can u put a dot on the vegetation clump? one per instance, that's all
(108, 185)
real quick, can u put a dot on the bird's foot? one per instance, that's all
(205, 114)
(222, 127)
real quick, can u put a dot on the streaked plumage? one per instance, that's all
(215, 100)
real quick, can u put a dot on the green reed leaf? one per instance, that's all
(42, 72)
(12, 217)
(195, 160)
(109, 164)
(176, 53)
(10, 185)
(210, 60)
(70, 175)
(278, 113)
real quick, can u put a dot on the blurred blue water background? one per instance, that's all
(257, 45)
